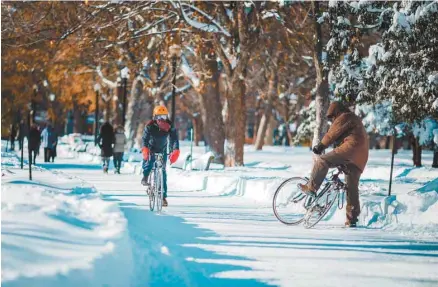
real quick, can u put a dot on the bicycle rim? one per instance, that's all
(159, 192)
(320, 207)
(151, 200)
(289, 203)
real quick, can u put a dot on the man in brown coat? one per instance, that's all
(352, 152)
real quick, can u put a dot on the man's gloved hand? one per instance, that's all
(174, 156)
(145, 152)
(318, 149)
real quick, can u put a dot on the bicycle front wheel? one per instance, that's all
(151, 198)
(289, 203)
(320, 207)
(159, 190)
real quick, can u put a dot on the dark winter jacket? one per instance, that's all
(347, 129)
(106, 139)
(156, 140)
(34, 138)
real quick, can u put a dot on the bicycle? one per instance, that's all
(155, 185)
(298, 207)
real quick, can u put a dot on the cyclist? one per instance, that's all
(352, 152)
(157, 134)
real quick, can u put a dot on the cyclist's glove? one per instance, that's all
(145, 152)
(174, 156)
(318, 149)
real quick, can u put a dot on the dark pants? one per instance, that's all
(147, 168)
(52, 154)
(118, 158)
(12, 144)
(33, 154)
(105, 162)
(332, 160)
(46, 154)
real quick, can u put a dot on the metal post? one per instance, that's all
(392, 160)
(173, 88)
(33, 105)
(125, 88)
(191, 147)
(22, 143)
(96, 117)
(29, 151)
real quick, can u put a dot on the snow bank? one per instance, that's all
(52, 225)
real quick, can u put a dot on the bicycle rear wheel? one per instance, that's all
(320, 207)
(289, 203)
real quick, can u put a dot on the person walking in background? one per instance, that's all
(49, 139)
(34, 142)
(52, 153)
(105, 142)
(119, 148)
(21, 133)
(12, 136)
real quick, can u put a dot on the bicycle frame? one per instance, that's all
(333, 184)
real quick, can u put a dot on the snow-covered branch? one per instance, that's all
(215, 27)
(106, 81)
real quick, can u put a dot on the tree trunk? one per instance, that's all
(435, 157)
(211, 111)
(145, 109)
(269, 136)
(118, 105)
(236, 120)
(107, 108)
(322, 87)
(133, 111)
(272, 91)
(79, 125)
(197, 130)
(416, 152)
(257, 118)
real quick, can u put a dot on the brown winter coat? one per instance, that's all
(348, 130)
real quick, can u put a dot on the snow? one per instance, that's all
(376, 53)
(219, 229)
(124, 73)
(425, 130)
(189, 73)
(400, 21)
(54, 224)
(270, 14)
(216, 28)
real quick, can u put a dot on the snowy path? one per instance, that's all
(203, 235)
(207, 238)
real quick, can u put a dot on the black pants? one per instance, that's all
(47, 154)
(33, 154)
(118, 158)
(12, 144)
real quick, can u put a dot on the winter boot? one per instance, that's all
(164, 202)
(306, 190)
(105, 169)
(349, 224)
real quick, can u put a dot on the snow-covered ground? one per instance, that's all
(75, 226)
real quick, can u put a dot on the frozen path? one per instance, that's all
(204, 239)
